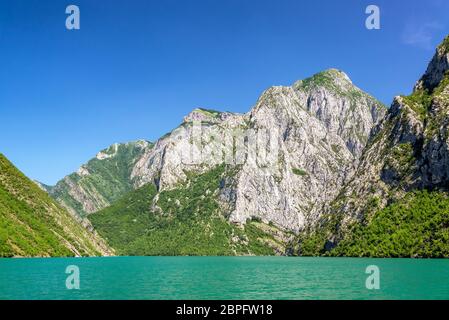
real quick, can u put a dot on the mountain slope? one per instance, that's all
(415, 226)
(101, 181)
(183, 221)
(409, 152)
(32, 224)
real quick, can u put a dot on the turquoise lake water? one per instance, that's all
(223, 278)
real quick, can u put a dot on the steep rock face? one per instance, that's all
(345, 110)
(101, 181)
(186, 149)
(434, 163)
(323, 123)
(409, 151)
(437, 68)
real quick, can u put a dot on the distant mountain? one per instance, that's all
(34, 225)
(396, 203)
(101, 181)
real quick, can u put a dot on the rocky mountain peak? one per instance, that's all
(344, 109)
(206, 116)
(332, 79)
(437, 68)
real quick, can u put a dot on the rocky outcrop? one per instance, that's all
(188, 148)
(436, 70)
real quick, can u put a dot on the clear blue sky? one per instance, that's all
(137, 67)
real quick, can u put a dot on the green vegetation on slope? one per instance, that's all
(329, 79)
(399, 162)
(210, 112)
(324, 79)
(32, 224)
(421, 100)
(445, 45)
(416, 226)
(299, 172)
(126, 220)
(24, 233)
(183, 221)
(107, 180)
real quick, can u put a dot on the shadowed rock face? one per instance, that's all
(436, 70)
(319, 126)
(434, 161)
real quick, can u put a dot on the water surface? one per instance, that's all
(223, 278)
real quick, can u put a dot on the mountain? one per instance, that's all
(396, 202)
(273, 170)
(322, 123)
(34, 225)
(101, 181)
